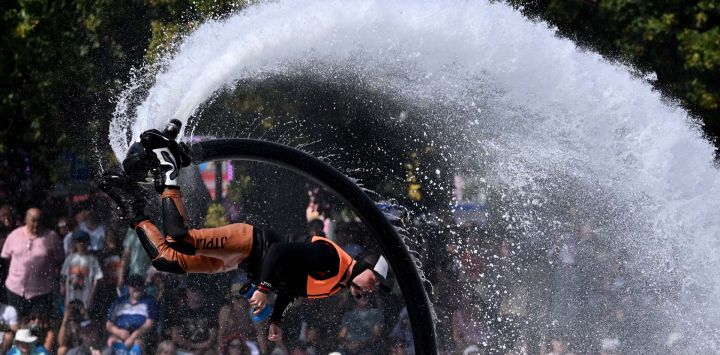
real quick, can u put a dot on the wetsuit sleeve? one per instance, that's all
(279, 258)
(286, 267)
(281, 303)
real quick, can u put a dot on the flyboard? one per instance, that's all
(391, 245)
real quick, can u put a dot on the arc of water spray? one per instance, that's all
(542, 108)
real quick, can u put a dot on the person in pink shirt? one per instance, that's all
(35, 254)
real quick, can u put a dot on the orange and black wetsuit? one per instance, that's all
(181, 250)
(309, 267)
(313, 269)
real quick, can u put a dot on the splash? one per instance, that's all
(535, 117)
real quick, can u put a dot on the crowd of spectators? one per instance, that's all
(81, 283)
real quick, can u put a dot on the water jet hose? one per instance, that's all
(391, 245)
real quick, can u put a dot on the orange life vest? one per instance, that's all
(328, 287)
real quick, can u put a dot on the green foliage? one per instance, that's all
(216, 216)
(62, 64)
(678, 40)
(239, 188)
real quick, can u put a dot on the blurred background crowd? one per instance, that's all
(77, 281)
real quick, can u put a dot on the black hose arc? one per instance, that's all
(391, 245)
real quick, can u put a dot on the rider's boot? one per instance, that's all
(167, 156)
(128, 195)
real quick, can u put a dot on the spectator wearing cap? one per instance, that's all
(131, 316)
(235, 319)
(35, 254)
(80, 272)
(39, 325)
(26, 344)
(8, 325)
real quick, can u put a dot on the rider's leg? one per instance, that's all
(166, 259)
(231, 243)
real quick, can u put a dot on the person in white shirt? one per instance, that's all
(81, 272)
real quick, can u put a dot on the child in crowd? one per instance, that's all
(80, 272)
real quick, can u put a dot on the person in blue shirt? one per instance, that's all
(130, 317)
(25, 344)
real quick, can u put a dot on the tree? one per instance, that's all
(61, 63)
(677, 40)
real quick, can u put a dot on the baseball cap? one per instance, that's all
(81, 236)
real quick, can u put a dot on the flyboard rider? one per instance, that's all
(313, 268)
